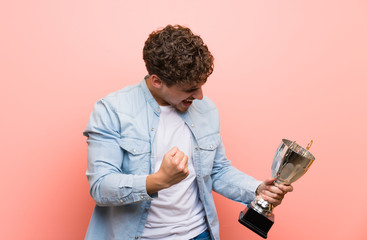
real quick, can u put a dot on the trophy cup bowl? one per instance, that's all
(291, 161)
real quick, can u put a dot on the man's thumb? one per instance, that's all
(270, 181)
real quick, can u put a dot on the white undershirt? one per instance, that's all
(177, 213)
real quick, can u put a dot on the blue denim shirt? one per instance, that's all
(121, 155)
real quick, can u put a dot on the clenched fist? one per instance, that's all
(273, 192)
(174, 169)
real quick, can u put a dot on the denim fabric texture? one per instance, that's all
(203, 236)
(120, 136)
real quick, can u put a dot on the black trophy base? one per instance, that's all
(256, 222)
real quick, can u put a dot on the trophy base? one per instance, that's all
(256, 222)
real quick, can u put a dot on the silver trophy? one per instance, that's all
(290, 162)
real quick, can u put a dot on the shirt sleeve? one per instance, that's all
(109, 186)
(231, 182)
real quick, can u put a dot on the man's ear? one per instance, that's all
(156, 81)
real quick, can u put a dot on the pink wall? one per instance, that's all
(283, 69)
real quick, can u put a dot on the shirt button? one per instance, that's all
(142, 197)
(136, 237)
(158, 109)
(152, 129)
(192, 125)
(121, 200)
(146, 209)
(196, 149)
(134, 150)
(211, 147)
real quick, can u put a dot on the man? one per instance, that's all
(155, 151)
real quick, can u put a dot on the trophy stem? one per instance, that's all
(263, 207)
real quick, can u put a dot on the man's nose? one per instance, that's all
(198, 94)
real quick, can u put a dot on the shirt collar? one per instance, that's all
(149, 97)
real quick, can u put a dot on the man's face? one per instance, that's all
(180, 97)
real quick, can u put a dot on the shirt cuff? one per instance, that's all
(140, 188)
(252, 187)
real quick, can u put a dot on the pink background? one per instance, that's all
(283, 69)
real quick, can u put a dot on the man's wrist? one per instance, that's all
(259, 189)
(155, 183)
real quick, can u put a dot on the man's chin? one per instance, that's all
(182, 109)
(182, 106)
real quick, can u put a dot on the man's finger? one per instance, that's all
(184, 162)
(172, 152)
(285, 188)
(275, 189)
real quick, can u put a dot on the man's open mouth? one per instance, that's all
(187, 101)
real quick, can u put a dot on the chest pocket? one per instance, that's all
(208, 148)
(136, 156)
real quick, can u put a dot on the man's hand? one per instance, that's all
(272, 192)
(174, 169)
